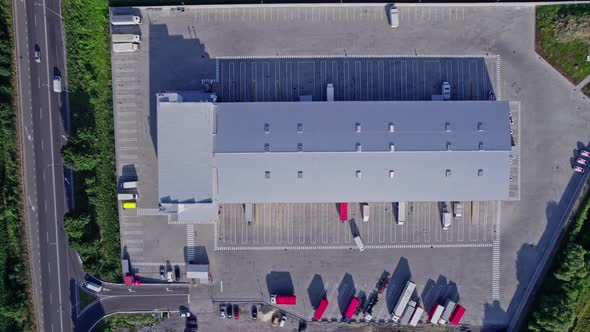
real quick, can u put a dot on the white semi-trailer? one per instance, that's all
(125, 38)
(125, 47)
(403, 300)
(125, 20)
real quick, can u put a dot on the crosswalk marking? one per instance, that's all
(496, 260)
(190, 242)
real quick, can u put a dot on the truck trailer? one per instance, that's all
(403, 300)
(446, 315)
(343, 207)
(408, 312)
(457, 315)
(283, 299)
(125, 47)
(435, 314)
(401, 213)
(125, 38)
(125, 20)
(416, 316)
(127, 196)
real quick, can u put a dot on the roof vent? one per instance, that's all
(448, 173)
(391, 127)
(359, 147)
(480, 126)
(300, 127)
(267, 128)
(300, 174)
(448, 126)
(391, 174)
(357, 127)
(358, 174)
(267, 175)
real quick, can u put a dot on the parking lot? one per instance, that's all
(357, 79)
(317, 226)
(180, 50)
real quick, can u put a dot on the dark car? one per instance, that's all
(162, 272)
(236, 311)
(230, 310)
(177, 272)
(254, 312)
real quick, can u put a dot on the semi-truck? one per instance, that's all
(125, 47)
(401, 213)
(449, 307)
(359, 243)
(248, 213)
(403, 300)
(365, 211)
(457, 315)
(319, 311)
(351, 308)
(408, 312)
(125, 38)
(343, 211)
(435, 314)
(125, 20)
(416, 316)
(457, 209)
(283, 299)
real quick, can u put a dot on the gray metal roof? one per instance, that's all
(332, 177)
(470, 139)
(185, 152)
(341, 126)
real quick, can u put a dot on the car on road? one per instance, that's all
(491, 95)
(229, 310)
(578, 169)
(57, 88)
(37, 54)
(222, 310)
(394, 17)
(236, 311)
(275, 320)
(162, 272)
(446, 90)
(582, 161)
(283, 320)
(169, 276)
(254, 312)
(585, 153)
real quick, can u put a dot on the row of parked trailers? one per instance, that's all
(405, 312)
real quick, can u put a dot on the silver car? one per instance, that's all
(37, 54)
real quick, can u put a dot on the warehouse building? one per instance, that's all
(305, 152)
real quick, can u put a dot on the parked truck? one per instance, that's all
(125, 47)
(365, 211)
(283, 299)
(457, 209)
(416, 316)
(435, 314)
(129, 185)
(127, 196)
(125, 20)
(403, 300)
(401, 213)
(125, 38)
(408, 312)
(446, 315)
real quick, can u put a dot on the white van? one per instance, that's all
(92, 286)
(359, 243)
(365, 211)
(57, 84)
(127, 196)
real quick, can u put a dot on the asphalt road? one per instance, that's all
(44, 117)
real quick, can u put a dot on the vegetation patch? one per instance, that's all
(563, 38)
(16, 308)
(563, 298)
(84, 299)
(132, 322)
(93, 227)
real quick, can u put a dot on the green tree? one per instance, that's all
(79, 153)
(77, 227)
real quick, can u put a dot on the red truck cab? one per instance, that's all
(319, 312)
(343, 212)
